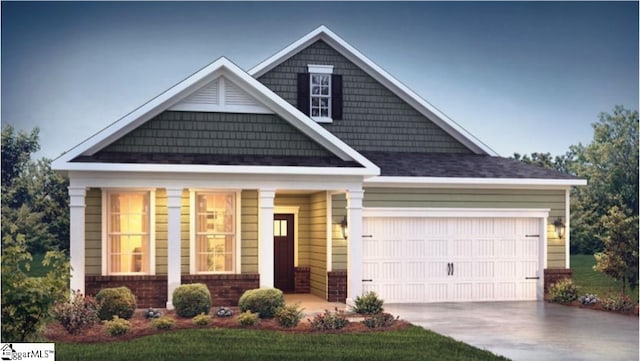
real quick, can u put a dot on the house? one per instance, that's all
(314, 172)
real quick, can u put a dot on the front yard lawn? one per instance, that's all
(590, 281)
(413, 343)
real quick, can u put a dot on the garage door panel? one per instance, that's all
(410, 259)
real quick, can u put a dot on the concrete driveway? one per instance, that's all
(525, 331)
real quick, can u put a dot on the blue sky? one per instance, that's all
(522, 77)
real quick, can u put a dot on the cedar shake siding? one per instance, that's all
(373, 118)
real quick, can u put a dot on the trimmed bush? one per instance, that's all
(563, 291)
(163, 323)
(289, 316)
(118, 301)
(191, 300)
(77, 314)
(264, 301)
(117, 327)
(329, 320)
(379, 320)
(201, 319)
(368, 304)
(248, 318)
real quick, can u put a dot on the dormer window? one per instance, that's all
(320, 93)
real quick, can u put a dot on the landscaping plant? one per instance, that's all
(191, 300)
(76, 314)
(224, 312)
(618, 302)
(248, 318)
(152, 313)
(163, 323)
(118, 301)
(289, 315)
(589, 299)
(329, 320)
(117, 326)
(264, 301)
(202, 319)
(368, 304)
(379, 320)
(563, 291)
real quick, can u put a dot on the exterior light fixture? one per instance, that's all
(560, 227)
(345, 227)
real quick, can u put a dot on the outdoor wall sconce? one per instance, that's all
(344, 226)
(560, 227)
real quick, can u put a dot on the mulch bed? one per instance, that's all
(141, 327)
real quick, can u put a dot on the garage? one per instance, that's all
(423, 255)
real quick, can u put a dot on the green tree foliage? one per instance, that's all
(619, 258)
(34, 198)
(26, 301)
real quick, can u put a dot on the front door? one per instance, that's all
(283, 239)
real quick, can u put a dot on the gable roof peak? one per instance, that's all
(323, 33)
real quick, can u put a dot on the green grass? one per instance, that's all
(590, 281)
(413, 343)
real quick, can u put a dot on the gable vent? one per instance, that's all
(221, 95)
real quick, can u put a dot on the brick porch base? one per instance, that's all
(553, 275)
(337, 286)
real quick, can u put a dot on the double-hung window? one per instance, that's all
(320, 93)
(215, 232)
(128, 235)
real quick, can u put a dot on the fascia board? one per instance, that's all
(212, 169)
(454, 182)
(373, 70)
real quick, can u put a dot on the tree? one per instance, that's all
(34, 198)
(620, 256)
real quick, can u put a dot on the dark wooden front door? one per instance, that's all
(283, 238)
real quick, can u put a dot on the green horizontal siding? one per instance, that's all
(249, 232)
(339, 244)
(93, 232)
(318, 249)
(479, 198)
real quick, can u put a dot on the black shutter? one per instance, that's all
(336, 97)
(303, 93)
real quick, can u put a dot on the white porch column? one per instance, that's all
(265, 237)
(354, 245)
(76, 235)
(174, 203)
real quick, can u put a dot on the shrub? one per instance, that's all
(618, 303)
(76, 314)
(329, 320)
(163, 323)
(368, 304)
(151, 313)
(264, 301)
(589, 299)
(563, 291)
(117, 327)
(201, 319)
(117, 301)
(224, 312)
(248, 318)
(191, 300)
(289, 316)
(378, 320)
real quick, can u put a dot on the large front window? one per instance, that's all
(215, 234)
(128, 235)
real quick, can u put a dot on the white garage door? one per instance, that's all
(451, 259)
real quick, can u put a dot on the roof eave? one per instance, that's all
(460, 182)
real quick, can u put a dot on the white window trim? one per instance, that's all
(295, 210)
(314, 69)
(152, 231)
(237, 266)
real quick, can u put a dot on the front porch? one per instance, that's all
(319, 263)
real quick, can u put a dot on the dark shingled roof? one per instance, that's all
(216, 159)
(457, 165)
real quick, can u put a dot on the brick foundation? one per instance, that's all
(225, 289)
(150, 291)
(337, 286)
(302, 280)
(553, 275)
